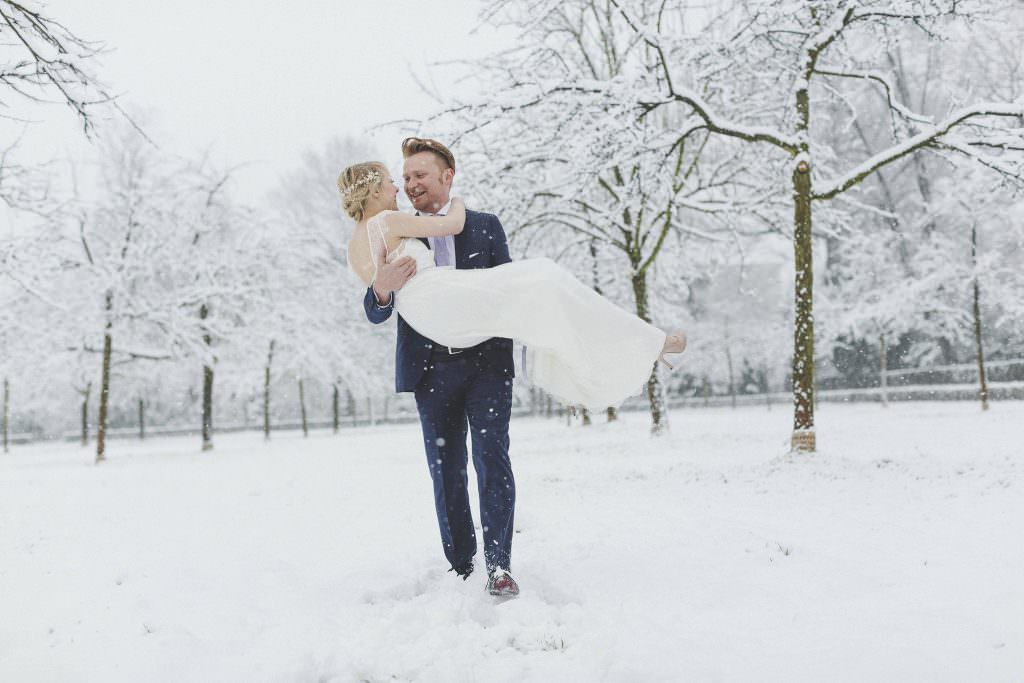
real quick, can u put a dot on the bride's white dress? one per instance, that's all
(580, 347)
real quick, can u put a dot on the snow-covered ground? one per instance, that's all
(895, 554)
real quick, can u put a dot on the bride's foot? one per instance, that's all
(674, 343)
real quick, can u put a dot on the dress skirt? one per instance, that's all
(580, 347)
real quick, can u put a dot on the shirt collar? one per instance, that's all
(443, 211)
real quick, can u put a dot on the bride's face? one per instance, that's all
(389, 195)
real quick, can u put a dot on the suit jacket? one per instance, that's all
(481, 244)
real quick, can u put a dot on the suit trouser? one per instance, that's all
(456, 391)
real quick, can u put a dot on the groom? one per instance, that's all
(452, 386)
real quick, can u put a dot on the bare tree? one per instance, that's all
(42, 59)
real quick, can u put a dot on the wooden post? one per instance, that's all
(302, 408)
(85, 413)
(982, 379)
(6, 413)
(266, 392)
(883, 370)
(334, 409)
(732, 379)
(613, 414)
(142, 420)
(204, 312)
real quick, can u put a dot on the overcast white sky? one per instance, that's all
(260, 81)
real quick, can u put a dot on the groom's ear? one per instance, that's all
(449, 175)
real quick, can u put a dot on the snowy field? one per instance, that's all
(895, 554)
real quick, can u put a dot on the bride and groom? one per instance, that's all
(460, 299)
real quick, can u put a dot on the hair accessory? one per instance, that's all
(371, 177)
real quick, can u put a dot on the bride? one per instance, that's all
(581, 348)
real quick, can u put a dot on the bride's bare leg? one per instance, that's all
(674, 343)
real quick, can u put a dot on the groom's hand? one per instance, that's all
(391, 277)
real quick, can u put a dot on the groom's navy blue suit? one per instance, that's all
(454, 387)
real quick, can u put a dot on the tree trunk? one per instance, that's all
(706, 390)
(369, 411)
(613, 414)
(659, 418)
(983, 390)
(302, 408)
(6, 413)
(207, 408)
(549, 408)
(596, 283)
(334, 409)
(352, 407)
(803, 333)
(142, 420)
(883, 370)
(266, 392)
(204, 312)
(732, 379)
(101, 427)
(85, 413)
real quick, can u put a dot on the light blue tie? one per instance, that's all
(443, 250)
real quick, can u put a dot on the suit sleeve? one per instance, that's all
(376, 313)
(499, 245)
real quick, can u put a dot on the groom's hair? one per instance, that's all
(412, 146)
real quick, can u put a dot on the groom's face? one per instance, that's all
(428, 181)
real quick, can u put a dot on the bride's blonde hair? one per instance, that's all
(356, 183)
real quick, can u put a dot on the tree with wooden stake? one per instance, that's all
(584, 173)
(316, 337)
(214, 283)
(757, 74)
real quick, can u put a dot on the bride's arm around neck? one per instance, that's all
(405, 225)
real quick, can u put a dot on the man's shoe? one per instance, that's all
(501, 584)
(464, 571)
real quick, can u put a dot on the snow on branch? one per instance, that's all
(50, 58)
(885, 82)
(926, 138)
(722, 126)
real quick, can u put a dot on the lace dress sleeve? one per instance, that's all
(376, 228)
